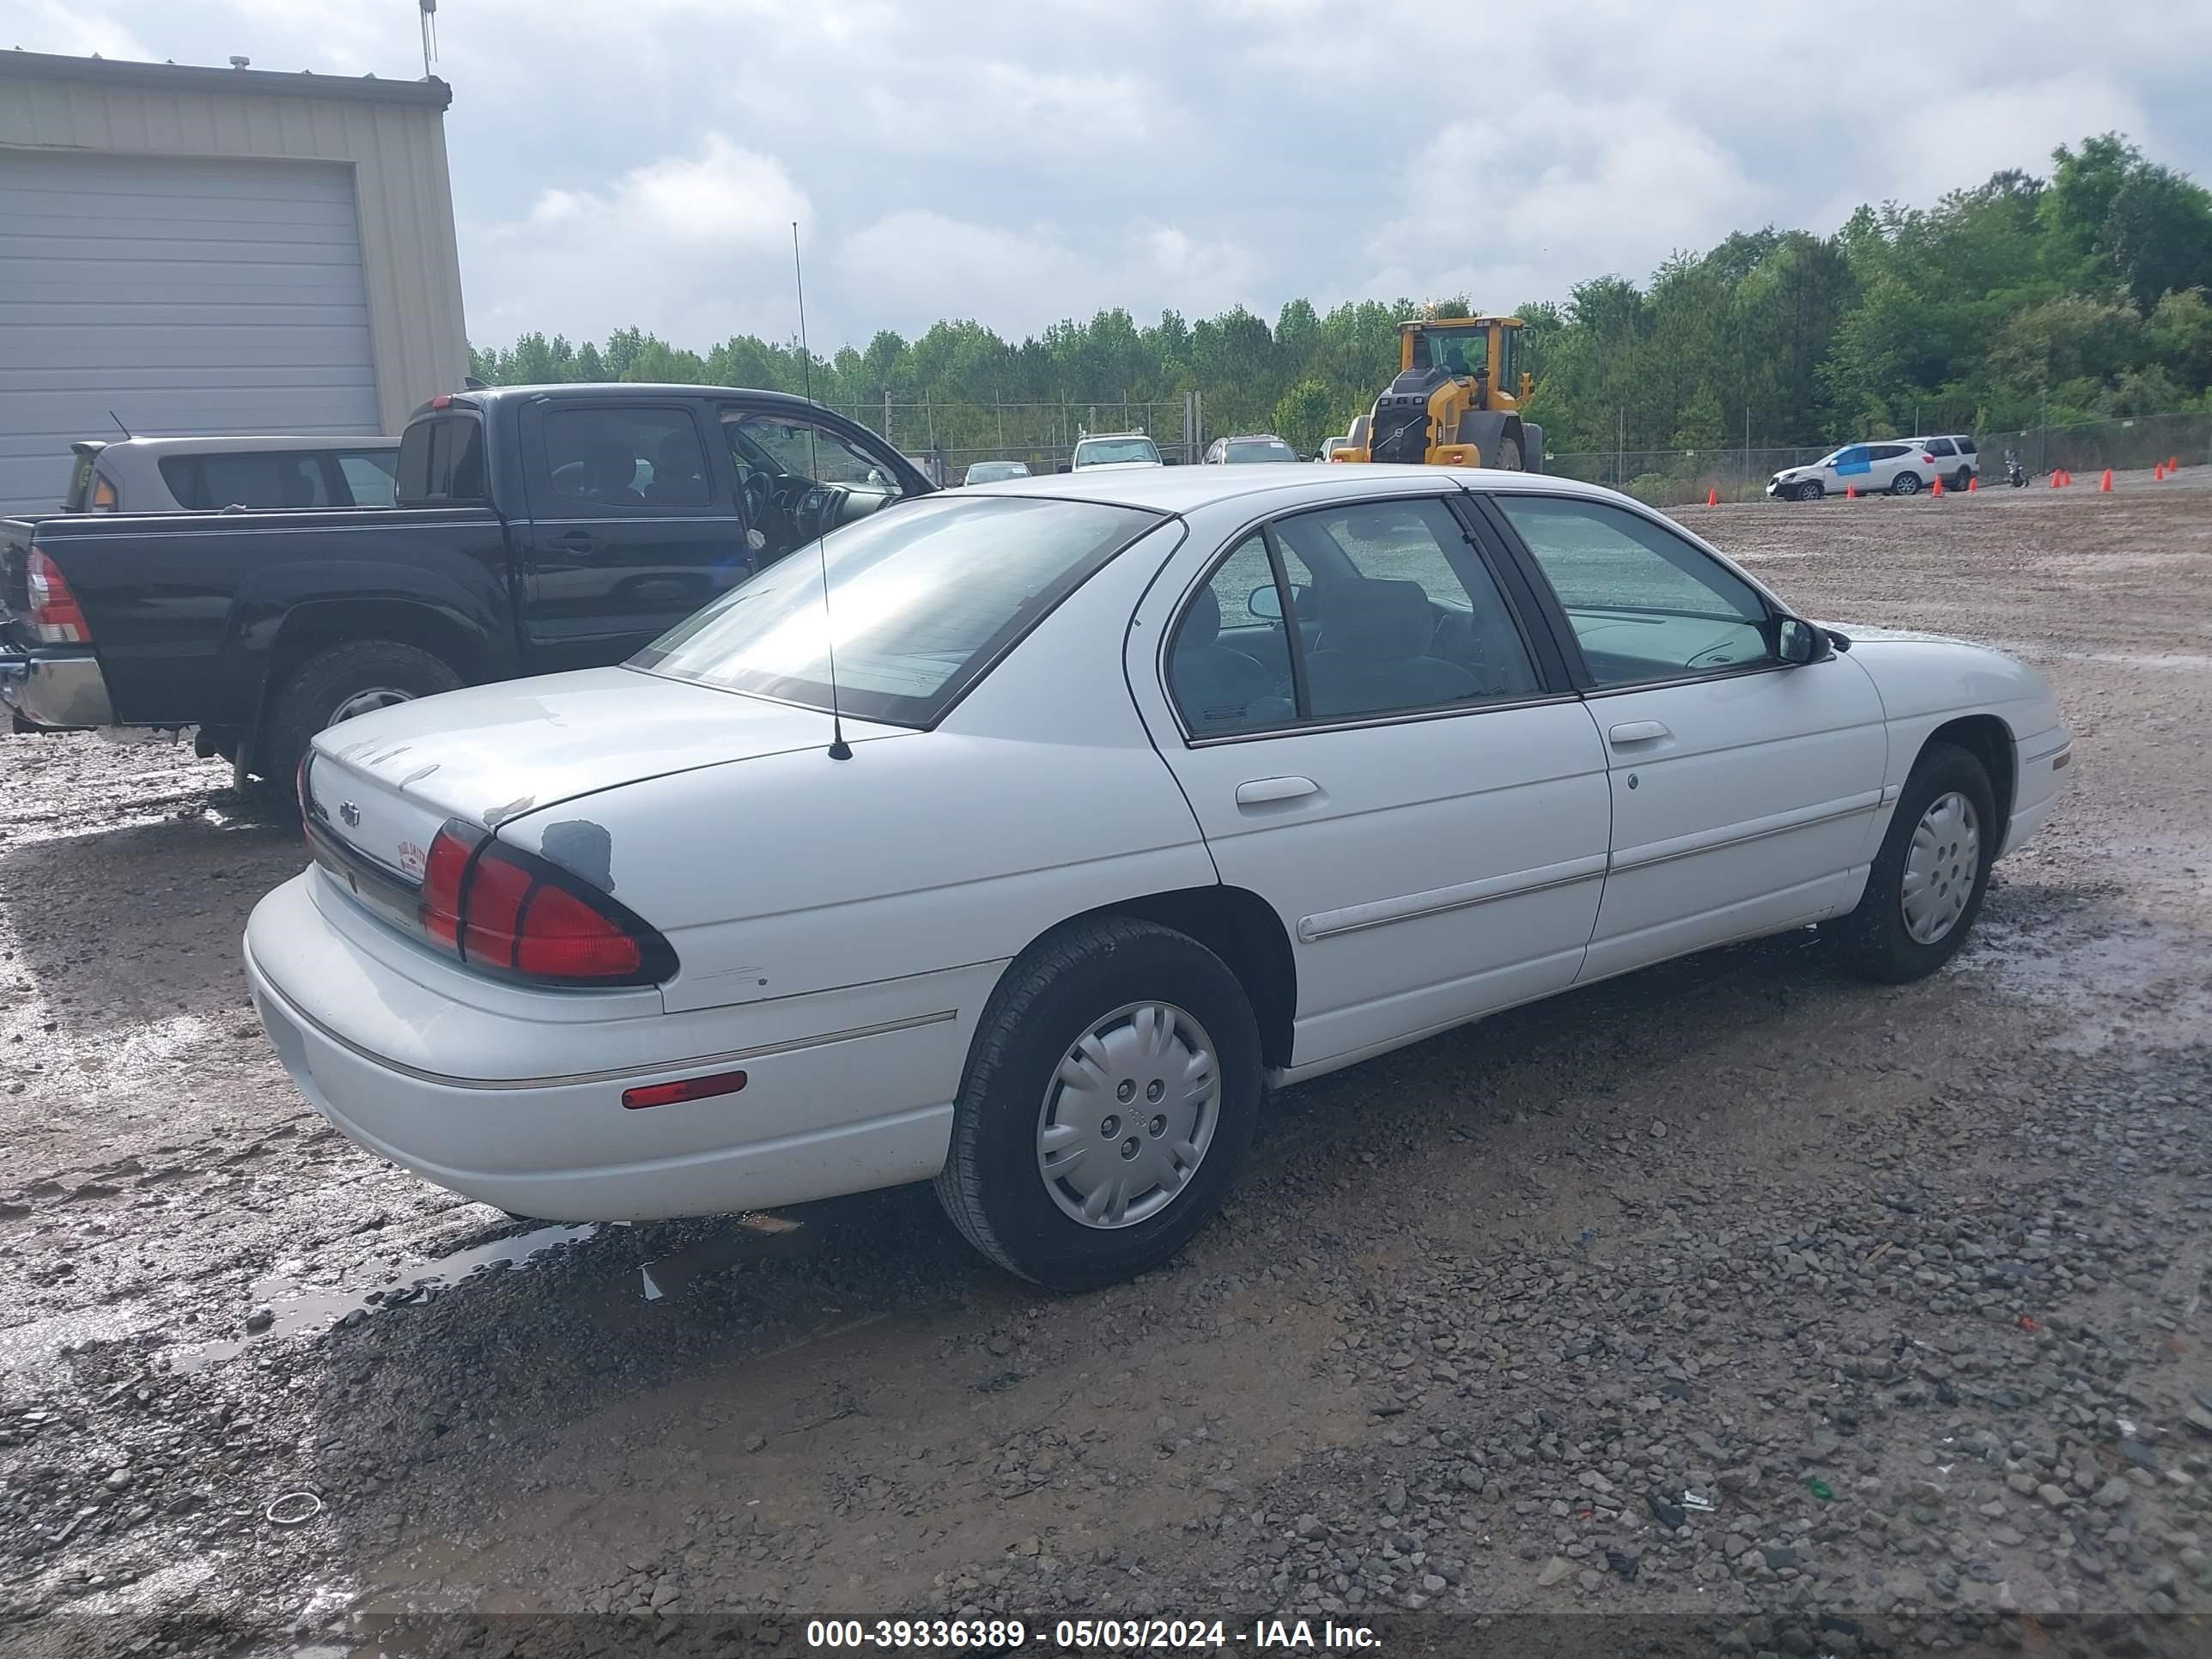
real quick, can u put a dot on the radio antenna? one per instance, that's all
(839, 749)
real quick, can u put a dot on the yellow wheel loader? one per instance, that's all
(1456, 401)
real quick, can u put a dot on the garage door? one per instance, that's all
(185, 295)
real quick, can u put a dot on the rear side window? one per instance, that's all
(1887, 452)
(1942, 446)
(627, 457)
(441, 462)
(261, 480)
(369, 477)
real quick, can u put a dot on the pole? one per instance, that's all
(887, 415)
(1620, 448)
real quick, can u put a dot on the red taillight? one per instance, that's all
(443, 868)
(1930, 459)
(691, 1088)
(443, 400)
(512, 914)
(56, 617)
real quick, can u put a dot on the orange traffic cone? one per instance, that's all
(2171, 462)
(1939, 483)
(1973, 483)
(2058, 478)
(2106, 487)
(1850, 492)
(2158, 472)
(1712, 498)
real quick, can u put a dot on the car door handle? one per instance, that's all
(1262, 791)
(580, 541)
(1639, 731)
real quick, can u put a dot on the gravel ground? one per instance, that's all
(1752, 1307)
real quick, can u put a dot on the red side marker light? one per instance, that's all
(690, 1088)
(443, 400)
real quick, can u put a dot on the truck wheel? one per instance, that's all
(337, 684)
(1508, 458)
(1113, 1087)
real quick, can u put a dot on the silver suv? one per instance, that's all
(206, 475)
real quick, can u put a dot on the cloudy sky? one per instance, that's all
(620, 161)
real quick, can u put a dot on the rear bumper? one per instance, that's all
(56, 692)
(861, 1098)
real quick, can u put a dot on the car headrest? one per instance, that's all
(1202, 624)
(1389, 620)
(609, 466)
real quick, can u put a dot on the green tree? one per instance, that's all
(1306, 414)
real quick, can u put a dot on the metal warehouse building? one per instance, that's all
(214, 251)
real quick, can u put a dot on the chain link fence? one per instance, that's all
(1676, 477)
(945, 438)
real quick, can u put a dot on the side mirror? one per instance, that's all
(1796, 641)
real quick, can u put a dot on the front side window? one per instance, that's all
(626, 458)
(780, 447)
(1644, 603)
(1966, 446)
(921, 603)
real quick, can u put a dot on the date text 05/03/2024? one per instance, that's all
(1106, 1635)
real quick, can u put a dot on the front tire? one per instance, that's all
(1810, 490)
(1928, 881)
(1108, 1100)
(335, 686)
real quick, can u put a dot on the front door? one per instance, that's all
(631, 528)
(1742, 788)
(1372, 745)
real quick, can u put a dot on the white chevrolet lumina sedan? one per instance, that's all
(1131, 796)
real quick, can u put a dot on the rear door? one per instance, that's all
(631, 528)
(1399, 774)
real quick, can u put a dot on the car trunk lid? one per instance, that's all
(377, 789)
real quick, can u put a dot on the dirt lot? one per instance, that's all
(1783, 1313)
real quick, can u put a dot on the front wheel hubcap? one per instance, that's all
(1940, 867)
(1128, 1115)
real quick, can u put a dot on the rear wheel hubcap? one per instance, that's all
(1129, 1115)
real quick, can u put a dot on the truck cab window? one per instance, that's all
(627, 457)
(801, 480)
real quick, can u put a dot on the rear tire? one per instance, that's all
(1928, 881)
(1906, 483)
(1070, 1073)
(336, 684)
(1966, 477)
(1509, 456)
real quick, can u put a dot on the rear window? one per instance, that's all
(262, 480)
(1260, 449)
(924, 599)
(80, 484)
(1109, 452)
(441, 462)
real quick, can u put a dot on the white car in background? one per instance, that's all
(983, 472)
(1954, 459)
(1114, 451)
(206, 475)
(1134, 796)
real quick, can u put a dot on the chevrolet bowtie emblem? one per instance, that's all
(349, 812)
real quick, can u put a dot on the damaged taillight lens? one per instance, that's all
(56, 617)
(510, 914)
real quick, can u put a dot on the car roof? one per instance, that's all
(206, 445)
(1178, 490)
(1251, 437)
(1089, 437)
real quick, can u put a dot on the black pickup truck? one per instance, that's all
(539, 528)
